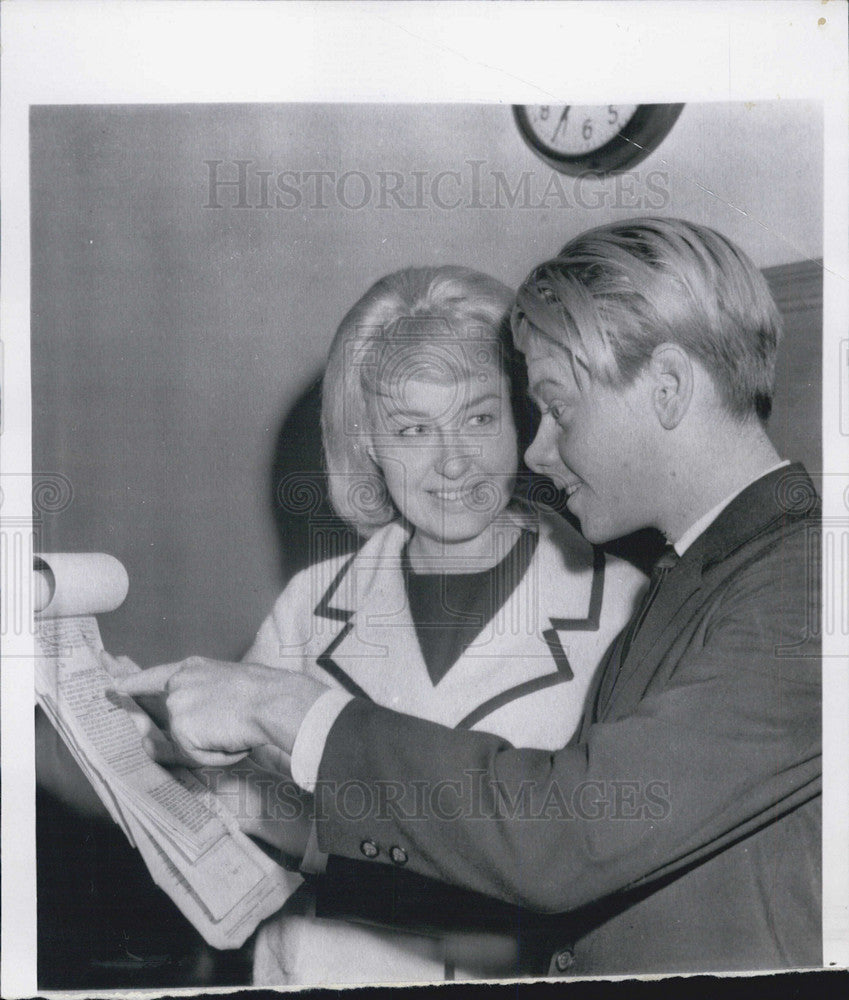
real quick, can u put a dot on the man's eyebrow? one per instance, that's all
(537, 387)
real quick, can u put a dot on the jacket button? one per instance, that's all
(398, 855)
(564, 960)
(369, 849)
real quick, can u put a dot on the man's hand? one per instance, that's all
(218, 712)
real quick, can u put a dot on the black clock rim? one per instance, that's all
(647, 128)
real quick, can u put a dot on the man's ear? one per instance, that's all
(671, 373)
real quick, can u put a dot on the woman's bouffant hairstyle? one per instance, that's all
(421, 322)
(615, 293)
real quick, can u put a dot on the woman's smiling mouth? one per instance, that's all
(451, 496)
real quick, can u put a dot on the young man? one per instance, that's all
(680, 828)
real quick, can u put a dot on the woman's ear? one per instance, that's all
(671, 373)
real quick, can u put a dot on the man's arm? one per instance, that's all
(727, 743)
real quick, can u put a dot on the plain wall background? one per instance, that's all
(170, 340)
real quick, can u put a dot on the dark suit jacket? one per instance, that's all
(680, 829)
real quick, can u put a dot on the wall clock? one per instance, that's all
(602, 138)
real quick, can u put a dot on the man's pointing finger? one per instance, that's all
(151, 681)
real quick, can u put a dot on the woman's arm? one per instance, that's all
(266, 804)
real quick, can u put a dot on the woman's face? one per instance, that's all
(448, 450)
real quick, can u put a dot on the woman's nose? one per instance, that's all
(456, 459)
(542, 453)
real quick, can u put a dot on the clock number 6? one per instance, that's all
(587, 130)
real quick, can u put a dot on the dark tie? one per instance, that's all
(661, 569)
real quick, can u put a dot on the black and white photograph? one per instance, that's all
(426, 558)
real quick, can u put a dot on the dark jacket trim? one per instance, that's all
(564, 671)
(323, 610)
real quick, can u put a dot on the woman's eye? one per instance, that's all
(413, 431)
(481, 420)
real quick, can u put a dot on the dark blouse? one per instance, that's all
(450, 610)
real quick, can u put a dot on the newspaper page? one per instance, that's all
(217, 877)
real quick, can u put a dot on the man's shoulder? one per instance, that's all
(787, 541)
(770, 520)
(765, 597)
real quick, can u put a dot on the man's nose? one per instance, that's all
(542, 453)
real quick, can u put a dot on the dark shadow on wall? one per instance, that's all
(308, 530)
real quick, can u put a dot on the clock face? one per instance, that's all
(594, 138)
(577, 129)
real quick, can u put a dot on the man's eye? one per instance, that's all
(556, 410)
(415, 430)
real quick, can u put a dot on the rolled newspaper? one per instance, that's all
(77, 583)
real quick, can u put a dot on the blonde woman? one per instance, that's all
(466, 604)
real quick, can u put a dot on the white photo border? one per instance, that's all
(79, 52)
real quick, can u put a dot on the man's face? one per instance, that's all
(596, 442)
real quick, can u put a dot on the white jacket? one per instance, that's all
(347, 622)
